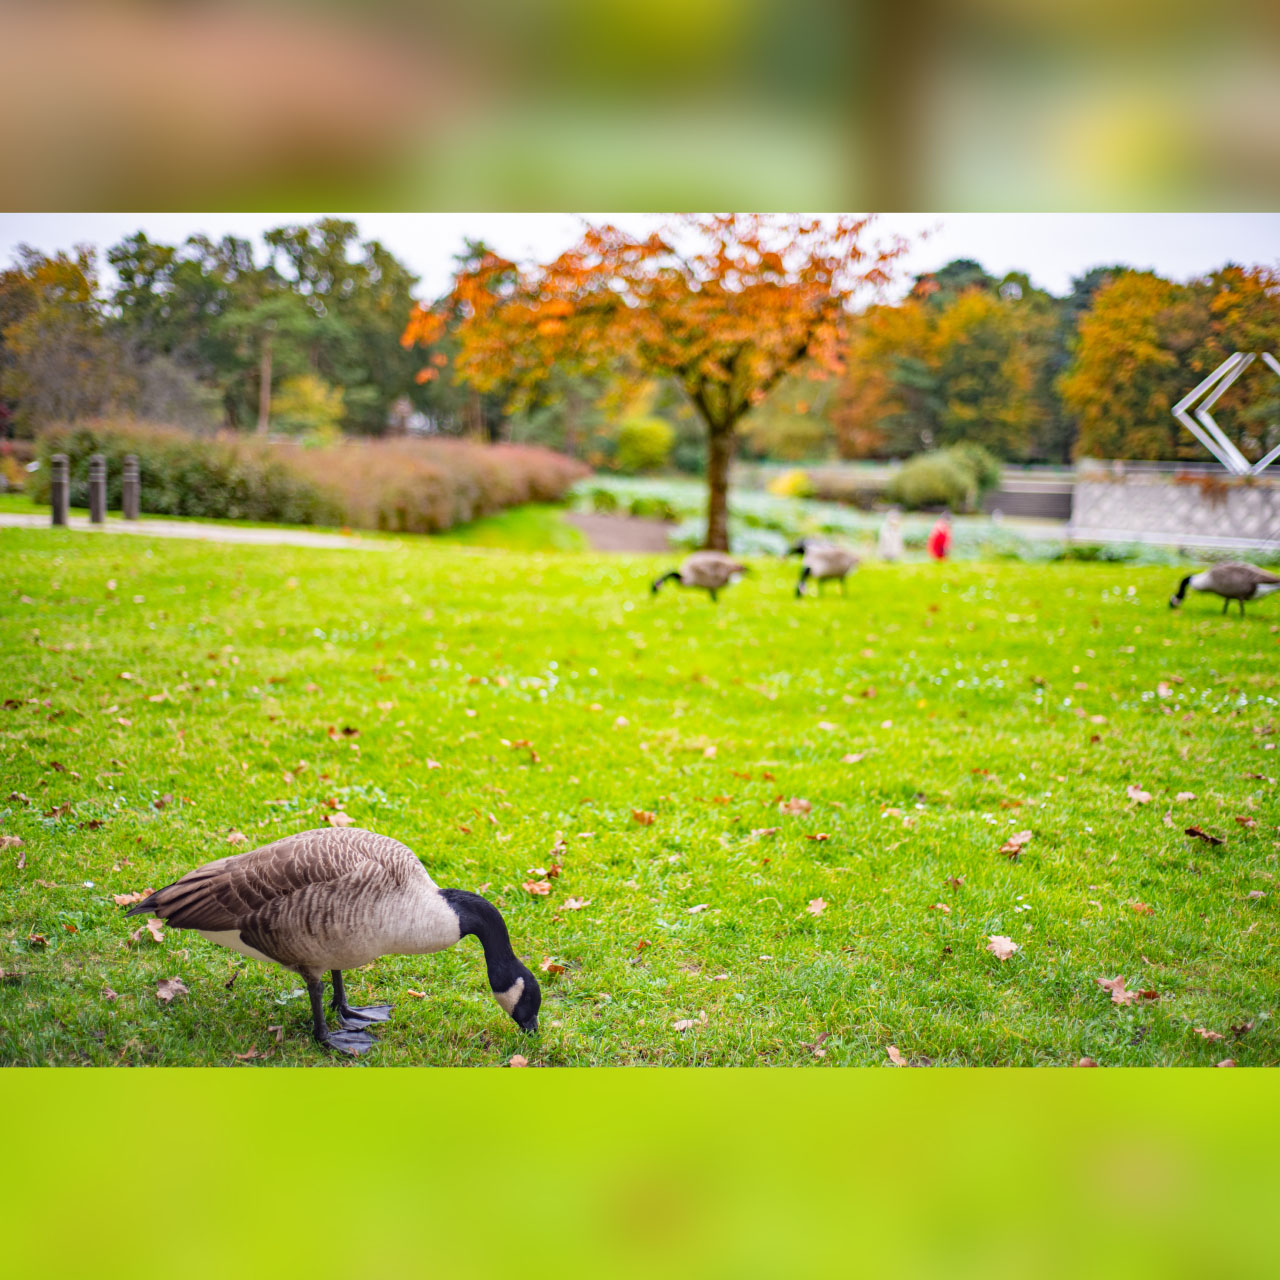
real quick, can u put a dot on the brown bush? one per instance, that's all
(410, 486)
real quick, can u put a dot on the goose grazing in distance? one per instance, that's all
(822, 561)
(710, 570)
(336, 899)
(1238, 582)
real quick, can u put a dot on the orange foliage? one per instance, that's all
(726, 304)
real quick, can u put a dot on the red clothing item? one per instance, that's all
(940, 540)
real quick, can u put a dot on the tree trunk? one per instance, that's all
(264, 387)
(720, 443)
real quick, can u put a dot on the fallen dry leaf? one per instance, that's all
(820, 836)
(1246, 821)
(853, 757)
(10, 842)
(517, 1060)
(1137, 795)
(127, 899)
(1001, 947)
(1206, 1034)
(551, 966)
(576, 904)
(759, 833)
(108, 994)
(155, 928)
(250, 1053)
(1118, 994)
(1243, 1029)
(1201, 834)
(417, 995)
(1086, 1062)
(338, 819)
(795, 805)
(941, 906)
(434, 764)
(1142, 908)
(686, 1024)
(816, 906)
(702, 906)
(539, 888)
(1226, 1062)
(1255, 894)
(895, 1057)
(1183, 796)
(168, 988)
(237, 837)
(643, 817)
(1012, 847)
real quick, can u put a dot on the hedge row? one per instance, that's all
(414, 486)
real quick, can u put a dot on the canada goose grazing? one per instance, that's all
(336, 899)
(710, 570)
(822, 561)
(1238, 582)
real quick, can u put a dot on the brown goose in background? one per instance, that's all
(709, 570)
(1235, 581)
(822, 561)
(337, 899)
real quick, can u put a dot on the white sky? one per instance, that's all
(1050, 247)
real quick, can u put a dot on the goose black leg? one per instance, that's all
(1226, 604)
(345, 1041)
(355, 1019)
(713, 595)
(804, 577)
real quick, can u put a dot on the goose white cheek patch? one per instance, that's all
(509, 998)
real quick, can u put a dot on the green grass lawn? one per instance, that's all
(924, 720)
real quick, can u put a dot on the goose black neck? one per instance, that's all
(479, 918)
(1182, 588)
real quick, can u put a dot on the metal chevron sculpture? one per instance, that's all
(1207, 431)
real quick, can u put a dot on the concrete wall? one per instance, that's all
(1193, 507)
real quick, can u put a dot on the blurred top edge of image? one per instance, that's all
(666, 103)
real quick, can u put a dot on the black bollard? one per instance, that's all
(129, 487)
(97, 489)
(59, 488)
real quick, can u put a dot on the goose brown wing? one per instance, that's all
(253, 887)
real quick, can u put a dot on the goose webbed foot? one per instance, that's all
(356, 1017)
(347, 1041)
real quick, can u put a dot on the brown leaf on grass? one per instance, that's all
(251, 1052)
(576, 904)
(795, 805)
(127, 899)
(108, 994)
(434, 764)
(168, 988)
(955, 883)
(686, 1024)
(1000, 946)
(155, 928)
(1254, 895)
(38, 940)
(1206, 1034)
(820, 836)
(1137, 795)
(1246, 821)
(816, 906)
(1142, 908)
(1013, 846)
(20, 798)
(1118, 994)
(466, 831)
(1243, 1029)
(1086, 1062)
(163, 802)
(417, 995)
(10, 842)
(538, 888)
(1226, 1062)
(338, 819)
(517, 1060)
(895, 1057)
(1200, 834)
(759, 833)
(941, 906)
(1184, 796)
(237, 837)
(701, 906)
(853, 757)
(552, 966)
(640, 946)
(643, 817)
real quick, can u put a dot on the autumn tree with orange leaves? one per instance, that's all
(726, 305)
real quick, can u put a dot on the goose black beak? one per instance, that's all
(531, 1026)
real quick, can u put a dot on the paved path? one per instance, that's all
(621, 533)
(207, 532)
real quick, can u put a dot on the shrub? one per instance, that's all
(644, 444)
(955, 478)
(412, 486)
(791, 484)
